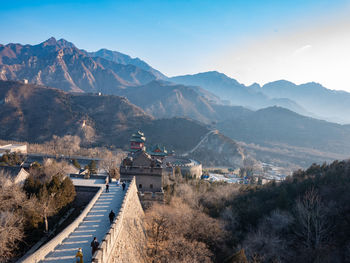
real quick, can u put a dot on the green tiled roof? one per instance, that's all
(138, 137)
(163, 151)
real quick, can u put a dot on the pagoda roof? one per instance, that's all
(158, 150)
(142, 139)
(138, 137)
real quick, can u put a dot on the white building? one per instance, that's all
(18, 148)
(17, 174)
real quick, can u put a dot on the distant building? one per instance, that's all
(158, 151)
(148, 172)
(10, 148)
(188, 167)
(150, 167)
(137, 142)
(17, 174)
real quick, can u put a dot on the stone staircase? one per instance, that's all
(94, 224)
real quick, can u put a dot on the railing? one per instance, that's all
(104, 253)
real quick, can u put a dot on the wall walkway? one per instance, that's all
(126, 238)
(93, 221)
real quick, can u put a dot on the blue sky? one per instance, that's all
(179, 37)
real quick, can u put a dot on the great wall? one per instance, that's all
(124, 239)
(121, 241)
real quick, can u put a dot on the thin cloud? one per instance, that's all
(301, 50)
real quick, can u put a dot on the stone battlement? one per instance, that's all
(125, 240)
(41, 253)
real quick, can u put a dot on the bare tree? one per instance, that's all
(179, 233)
(51, 168)
(46, 206)
(158, 227)
(268, 242)
(11, 232)
(12, 209)
(67, 145)
(312, 222)
(111, 162)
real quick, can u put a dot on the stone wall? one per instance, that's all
(126, 238)
(41, 253)
(195, 171)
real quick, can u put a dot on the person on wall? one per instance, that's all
(94, 246)
(79, 256)
(111, 216)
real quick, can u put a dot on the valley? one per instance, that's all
(115, 94)
(174, 131)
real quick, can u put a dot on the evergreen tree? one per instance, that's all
(76, 163)
(92, 166)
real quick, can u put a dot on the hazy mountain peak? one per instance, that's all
(255, 86)
(61, 43)
(51, 41)
(64, 43)
(214, 74)
(105, 51)
(281, 82)
(124, 59)
(209, 77)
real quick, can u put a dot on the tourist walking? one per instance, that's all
(94, 246)
(107, 188)
(79, 256)
(123, 185)
(111, 216)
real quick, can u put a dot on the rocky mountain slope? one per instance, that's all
(124, 59)
(235, 92)
(165, 100)
(35, 113)
(223, 148)
(61, 65)
(309, 99)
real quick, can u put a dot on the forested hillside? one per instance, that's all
(34, 113)
(305, 218)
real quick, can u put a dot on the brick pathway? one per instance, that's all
(95, 224)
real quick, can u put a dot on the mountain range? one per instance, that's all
(35, 113)
(309, 99)
(235, 92)
(61, 65)
(123, 59)
(277, 113)
(331, 105)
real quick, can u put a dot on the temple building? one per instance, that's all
(149, 172)
(153, 167)
(137, 142)
(158, 151)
